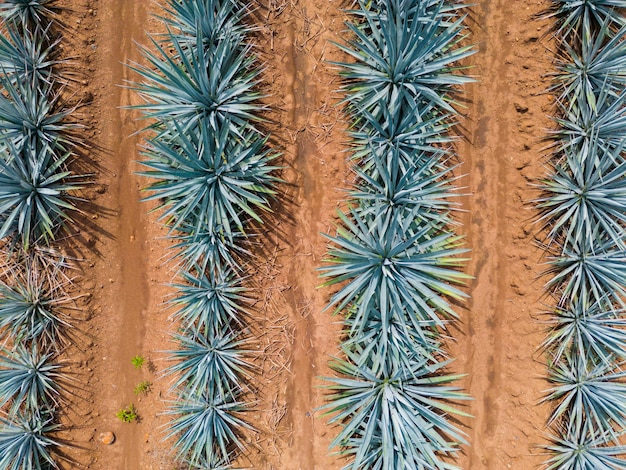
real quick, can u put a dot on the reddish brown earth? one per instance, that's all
(124, 252)
(506, 120)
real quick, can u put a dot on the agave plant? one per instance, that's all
(577, 15)
(420, 192)
(35, 194)
(210, 248)
(394, 419)
(584, 124)
(29, 379)
(403, 54)
(212, 87)
(211, 179)
(25, 441)
(207, 427)
(211, 301)
(592, 331)
(29, 119)
(589, 270)
(206, 22)
(579, 451)
(217, 362)
(591, 397)
(31, 308)
(390, 263)
(582, 74)
(412, 140)
(26, 58)
(586, 197)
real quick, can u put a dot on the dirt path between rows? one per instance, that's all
(506, 118)
(298, 337)
(122, 248)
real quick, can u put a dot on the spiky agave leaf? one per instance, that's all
(582, 451)
(403, 58)
(395, 267)
(218, 362)
(26, 13)
(574, 15)
(29, 379)
(207, 427)
(212, 88)
(25, 442)
(591, 396)
(211, 179)
(395, 418)
(210, 301)
(585, 197)
(595, 331)
(35, 194)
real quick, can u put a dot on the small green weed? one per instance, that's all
(138, 361)
(128, 414)
(143, 388)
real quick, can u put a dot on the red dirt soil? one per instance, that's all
(126, 273)
(506, 120)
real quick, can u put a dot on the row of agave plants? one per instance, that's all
(213, 176)
(584, 212)
(395, 257)
(36, 186)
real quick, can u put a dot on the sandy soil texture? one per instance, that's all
(125, 271)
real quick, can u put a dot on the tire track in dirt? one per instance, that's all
(504, 125)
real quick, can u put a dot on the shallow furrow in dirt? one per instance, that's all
(308, 128)
(505, 122)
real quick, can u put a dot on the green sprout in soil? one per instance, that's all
(143, 388)
(128, 414)
(138, 361)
